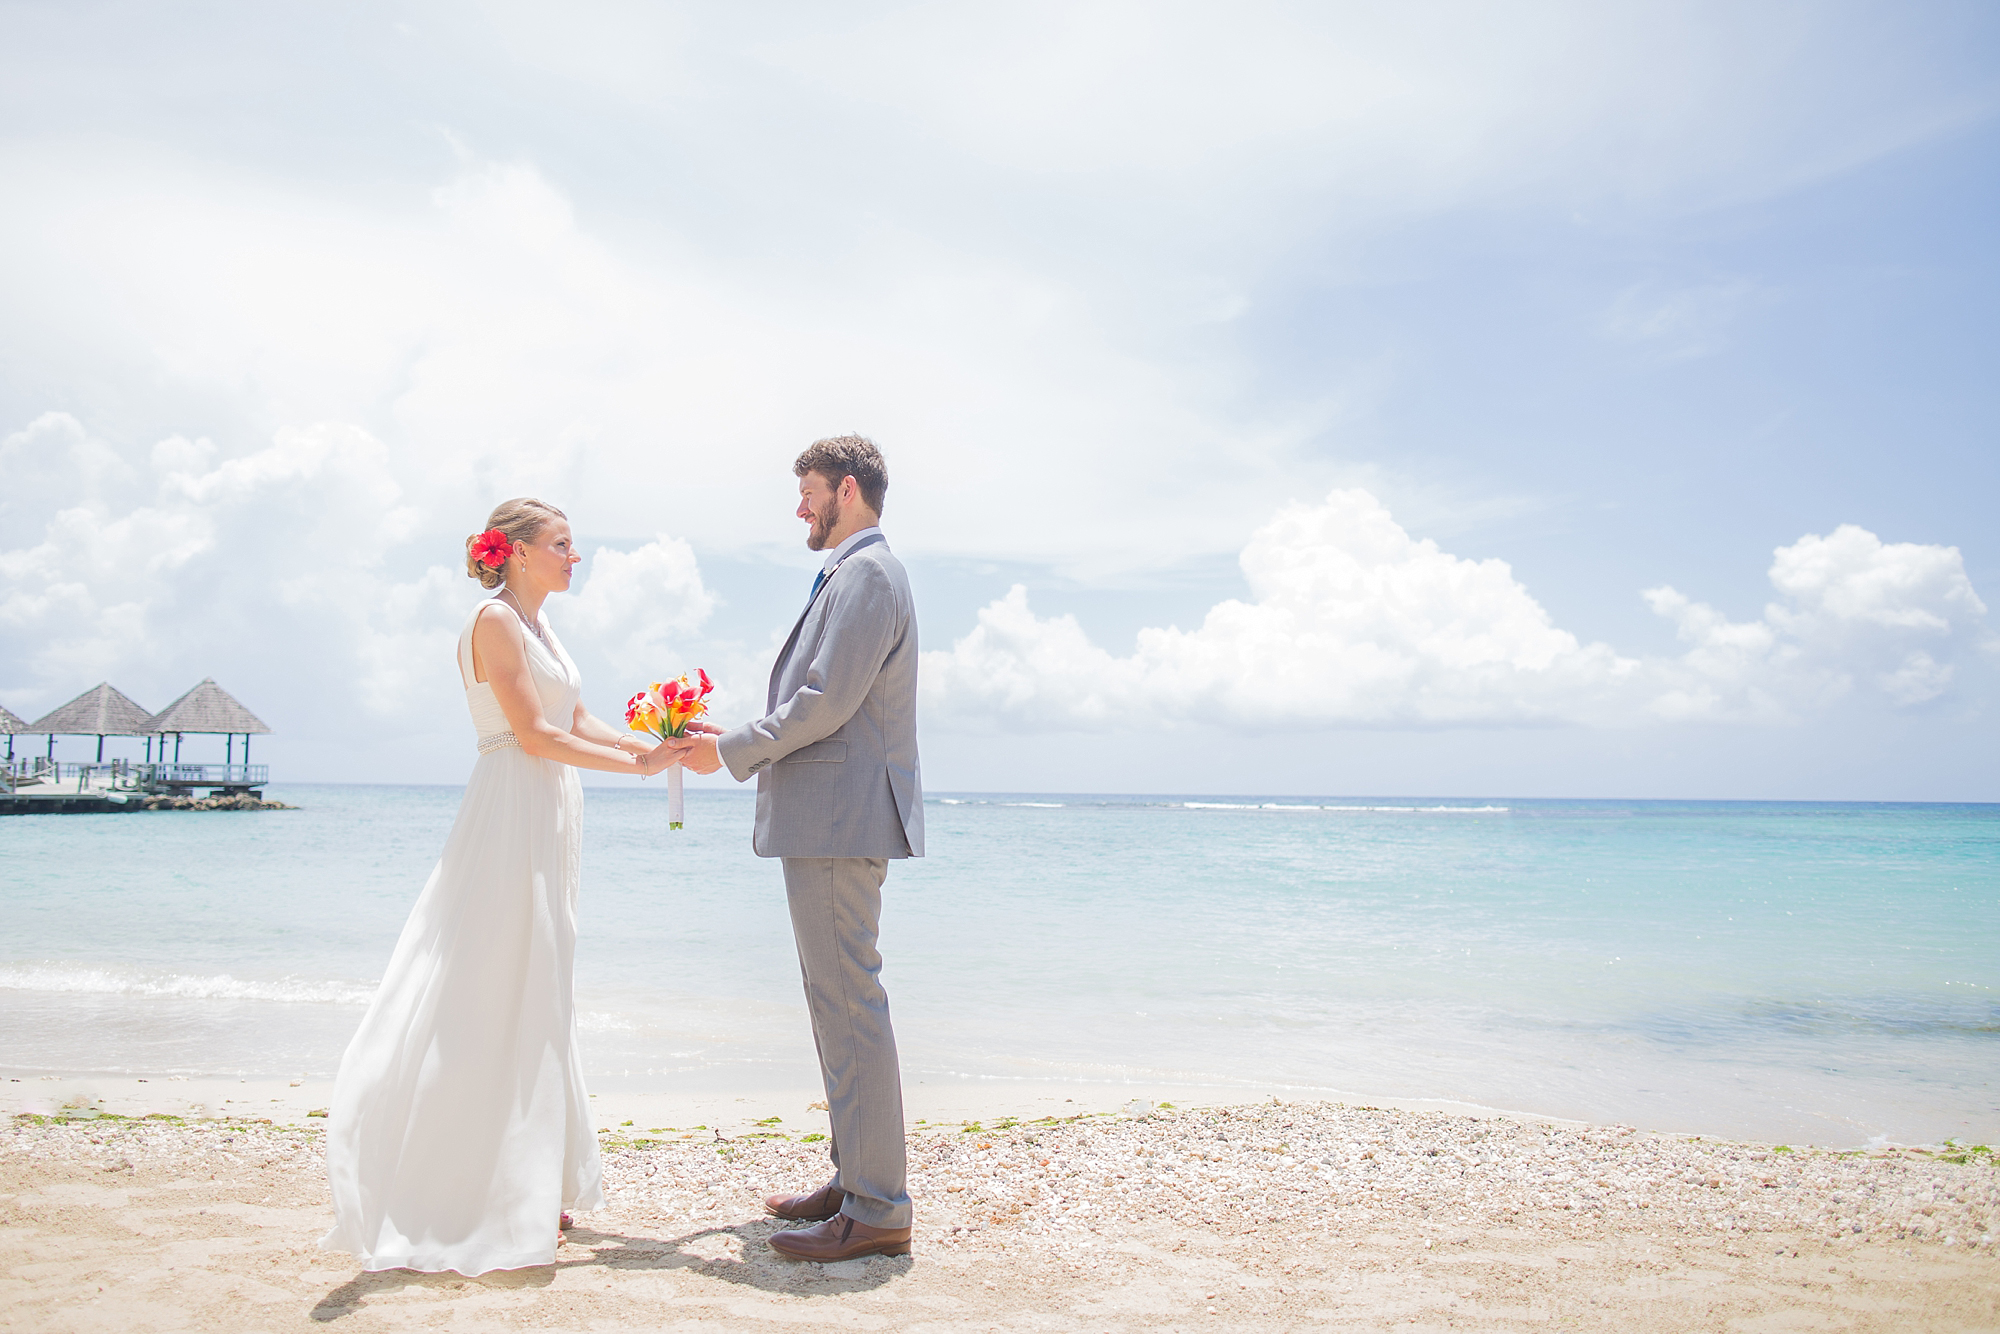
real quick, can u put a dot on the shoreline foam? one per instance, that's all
(927, 1099)
(743, 1104)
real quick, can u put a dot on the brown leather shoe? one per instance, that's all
(841, 1238)
(822, 1203)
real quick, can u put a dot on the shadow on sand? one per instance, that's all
(706, 1251)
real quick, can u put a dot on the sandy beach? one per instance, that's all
(1274, 1215)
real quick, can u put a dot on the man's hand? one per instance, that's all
(697, 752)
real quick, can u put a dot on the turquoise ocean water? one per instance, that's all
(1823, 973)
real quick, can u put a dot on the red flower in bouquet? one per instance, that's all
(640, 715)
(665, 709)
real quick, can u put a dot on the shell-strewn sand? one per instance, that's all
(1279, 1216)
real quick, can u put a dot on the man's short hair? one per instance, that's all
(842, 456)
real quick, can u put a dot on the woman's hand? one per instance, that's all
(632, 745)
(657, 760)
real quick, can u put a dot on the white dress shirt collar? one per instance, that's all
(839, 553)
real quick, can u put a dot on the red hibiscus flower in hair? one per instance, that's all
(491, 548)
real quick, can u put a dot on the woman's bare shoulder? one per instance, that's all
(496, 617)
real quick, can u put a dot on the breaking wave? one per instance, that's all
(84, 980)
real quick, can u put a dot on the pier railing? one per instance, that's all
(207, 775)
(21, 769)
(38, 772)
(32, 771)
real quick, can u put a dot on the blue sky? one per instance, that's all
(1654, 297)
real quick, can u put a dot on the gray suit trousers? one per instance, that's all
(836, 907)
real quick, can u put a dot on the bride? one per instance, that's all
(460, 1130)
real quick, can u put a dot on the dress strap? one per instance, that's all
(466, 674)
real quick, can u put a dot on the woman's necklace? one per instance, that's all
(534, 628)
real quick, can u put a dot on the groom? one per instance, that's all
(838, 796)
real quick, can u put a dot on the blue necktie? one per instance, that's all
(818, 579)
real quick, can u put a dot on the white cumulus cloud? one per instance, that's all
(1855, 612)
(1353, 622)
(636, 606)
(328, 590)
(304, 575)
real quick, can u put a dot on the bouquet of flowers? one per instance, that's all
(664, 709)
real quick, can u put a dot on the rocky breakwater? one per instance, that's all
(244, 802)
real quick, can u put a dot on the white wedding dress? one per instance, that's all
(460, 1127)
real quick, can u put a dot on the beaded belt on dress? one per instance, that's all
(498, 741)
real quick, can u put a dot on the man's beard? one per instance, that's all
(823, 523)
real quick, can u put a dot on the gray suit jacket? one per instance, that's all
(836, 753)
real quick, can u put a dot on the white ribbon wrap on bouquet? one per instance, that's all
(676, 806)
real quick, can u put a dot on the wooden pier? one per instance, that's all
(41, 784)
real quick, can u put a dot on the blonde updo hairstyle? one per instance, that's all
(522, 520)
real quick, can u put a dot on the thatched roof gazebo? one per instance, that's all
(9, 726)
(100, 711)
(207, 708)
